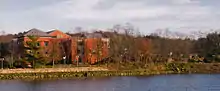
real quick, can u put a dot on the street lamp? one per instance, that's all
(64, 58)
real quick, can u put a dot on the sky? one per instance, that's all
(145, 15)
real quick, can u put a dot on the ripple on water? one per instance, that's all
(191, 82)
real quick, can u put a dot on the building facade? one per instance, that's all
(82, 48)
(89, 48)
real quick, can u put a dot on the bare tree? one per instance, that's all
(55, 52)
(78, 29)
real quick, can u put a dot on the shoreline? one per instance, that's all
(90, 72)
(82, 75)
(69, 75)
(48, 70)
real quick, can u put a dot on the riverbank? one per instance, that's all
(84, 72)
(67, 75)
(51, 70)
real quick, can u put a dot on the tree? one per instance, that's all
(99, 49)
(55, 51)
(127, 46)
(209, 46)
(66, 50)
(1, 43)
(32, 52)
(11, 50)
(180, 48)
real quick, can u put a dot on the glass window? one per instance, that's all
(38, 43)
(46, 43)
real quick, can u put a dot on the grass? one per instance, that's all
(129, 70)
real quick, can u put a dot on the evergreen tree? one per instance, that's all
(32, 52)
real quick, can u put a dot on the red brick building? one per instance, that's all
(89, 48)
(46, 41)
(80, 48)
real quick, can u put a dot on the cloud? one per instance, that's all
(148, 15)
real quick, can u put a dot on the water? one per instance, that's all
(194, 82)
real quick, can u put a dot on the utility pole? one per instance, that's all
(53, 63)
(2, 62)
(1, 55)
(77, 60)
(12, 54)
(53, 54)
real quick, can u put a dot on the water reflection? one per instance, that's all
(196, 82)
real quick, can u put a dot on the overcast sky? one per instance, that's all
(146, 15)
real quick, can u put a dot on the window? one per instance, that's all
(46, 43)
(29, 51)
(78, 51)
(46, 53)
(38, 43)
(80, 43)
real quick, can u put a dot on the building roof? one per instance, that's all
(51, 31)
(94, 35)
(36, 32)
(77, 35)
(90, 35)
(54, 31)
(106, 34)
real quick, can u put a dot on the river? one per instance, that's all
(192, 82)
